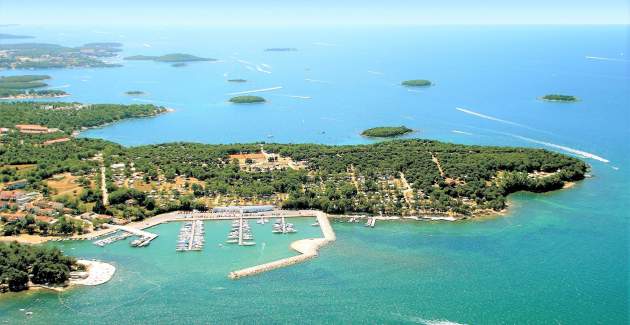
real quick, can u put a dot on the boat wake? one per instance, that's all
(375, 72)
(260, 69)
(299, 97)
(420, 320)
(255, 91)
(580, 153)
(317, 81)
(488, 117)
(599, 58)
(461, 132)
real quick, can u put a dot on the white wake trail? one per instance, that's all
(600, 58)
(256, 90)
(488, 117)
(580, 153)
(317, 81)
(461, 132)
(260, 69)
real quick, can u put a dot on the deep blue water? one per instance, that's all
(560, 257)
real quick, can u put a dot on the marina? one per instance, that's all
(112, 239)
(283, 227)
(144, 239)
(308, 249)
(241, 233)
(191, 236)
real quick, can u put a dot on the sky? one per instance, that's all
(313, 12)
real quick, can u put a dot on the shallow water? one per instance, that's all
(559, 257)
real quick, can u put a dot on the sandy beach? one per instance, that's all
(98, 273)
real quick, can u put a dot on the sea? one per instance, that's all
(555, 258)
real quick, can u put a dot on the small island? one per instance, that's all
(559, 98)
(178, 65)
(171, 58)
(237, 80)
(386, 131)
(134, 92)
(247, 99)
(416, 83)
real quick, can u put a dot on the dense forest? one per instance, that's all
(70, 116)
(17, 86)
(20, 263)
(396, 177)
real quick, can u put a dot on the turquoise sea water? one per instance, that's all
(559, 257)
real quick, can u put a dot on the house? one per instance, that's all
(4, 130)
(16, 185)
(11, 196)
(26, 198)
(244, 209)
(94, 216)
(12, 216)
(60, 140)
(31, 128)
(45, 219)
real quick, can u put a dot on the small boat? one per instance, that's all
(315, 224)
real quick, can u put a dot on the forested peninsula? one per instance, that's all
(27, 86)
(23, 265)
(399, 177)
(48, 56)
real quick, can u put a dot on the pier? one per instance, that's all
(127, 231)
(308, 249)
(191, 236)
(282, 227)
(241, 233)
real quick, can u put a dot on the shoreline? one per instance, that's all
(78, 132)
(173, 216)
(34, 97)
(97, 273)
